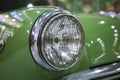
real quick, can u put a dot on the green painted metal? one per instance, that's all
(16, 62)
(102, 38)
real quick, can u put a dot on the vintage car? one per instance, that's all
(50, 43)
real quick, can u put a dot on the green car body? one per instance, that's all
(102, 45)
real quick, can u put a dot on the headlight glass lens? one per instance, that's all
(61, 41)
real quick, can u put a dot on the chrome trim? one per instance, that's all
(37, 30)
(96, 73)
(1, 45)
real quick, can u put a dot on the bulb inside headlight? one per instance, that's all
(57, 40)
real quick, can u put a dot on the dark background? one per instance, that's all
(85, 6)
(6, 5)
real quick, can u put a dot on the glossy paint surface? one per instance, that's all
(16, 61)
(102, 38)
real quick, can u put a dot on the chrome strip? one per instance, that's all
(95, 73)
(1, 45)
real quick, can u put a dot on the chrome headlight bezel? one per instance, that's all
(36, 38)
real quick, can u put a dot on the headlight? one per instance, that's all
(57, 40)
